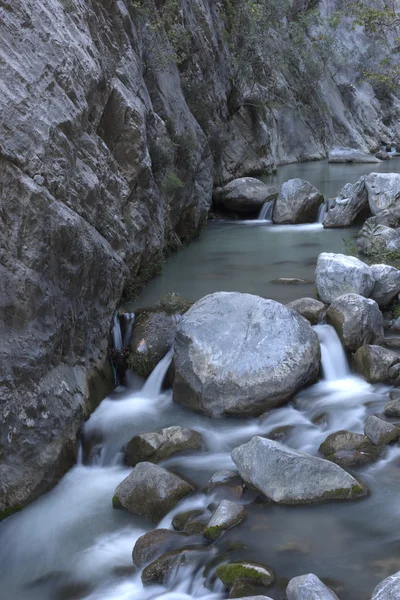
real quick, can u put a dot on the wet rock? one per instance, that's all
(383, 197)
(244, 571)
(309, 587)
(244, 196)
(192, 522)
(382, 155)
(150, 490)
(154, 447)
(357, 320)
(153, 544)
(388, 589)
(387, 283)
(392, 409)
(227, 515)
(225, 485)
(351, 202)
(164, 569)
(350, 155)
(377, 364)
(281, 434)
(287, 476)
(309, 308)
(380, 432)
(242, 355)
(346, 448)
(337, 274)
(374, 239)
(298, 202)
(152, 336)
(173, 304)
(291, 281)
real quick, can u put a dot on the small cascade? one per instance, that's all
(266, 211)
(153, 385)
(333, 357)
(129, 319)
(322, 212)
(116, 333)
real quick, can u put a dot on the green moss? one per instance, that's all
(10, 510)
(141, 363)
(212, 532)
(115, 502)
(173, 304)
(357, 490)
(230, 573)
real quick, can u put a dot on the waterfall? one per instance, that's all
(333, 357)
(266, 211)
(322, 212)
(153, 385)
(116, 333)
(129, 319)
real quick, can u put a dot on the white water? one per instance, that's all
(73, 537)
(322, 212)
(267, 211)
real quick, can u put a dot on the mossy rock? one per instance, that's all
(9, 510)
(173, 304)
(230, 573)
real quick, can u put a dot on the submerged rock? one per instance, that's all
(165, 568)
(226, 515)
(357, 320)
(154, 447)
(387, 283)
(242, 355)
(380, 432)
(308, 587)
(377, 364)
(309, 308)
(152, 336)
(388, 589)
(338, 274)
(346, 448)
(150, 490)
(247, 571)
(225, 484)
(287, 476)
(298, 202)
(244, 196)
(192, 522)
(351, 202)
(350, 155)
(153, 544)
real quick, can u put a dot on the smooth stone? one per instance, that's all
(309, 308)
(346, 448)
(154, 447)
(291, 281)
(287, 476)
(388, 589)
(350, 155)
(192, 522)
(227, 515)
(153, 544)
(308, 587)
(298, 202)
(225, 485)
(377, 364)
(387, 284)
(164, 569)
(392, 409)
(357, 321)
(338, 274)
(244, 196)
(380, 432)
(150, 490)
(243, 570)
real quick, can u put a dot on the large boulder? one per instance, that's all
(375, 239)
(287, 476)
(154, 543)
(351, 202)
(388, 589)
(308, 587)
(298, 202)
(244, 196)
(351, 155)
(338, 274)
(387, 283)
(242, 355)
(380, 432)
(357, 320)
(346, 448)
(384, 196)
(377, 364)
(150, 490)
(309, 308)
(226, 515)
(160, 445)
(152, 336)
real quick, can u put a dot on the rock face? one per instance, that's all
(346, 448)
(357, 320)
(387, 283)
(226, 515)
(287, 476)
(151, 491)
(377, 365)
(308, 587)
(380, 432)
(351, 202)
(154, 447)
(309, 308)
(240, 354)
(244, 196)
(388, 589)
(298, 202)
(351, 155)
(338, 274)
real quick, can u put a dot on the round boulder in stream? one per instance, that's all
(244, 196)
(150, 490)
(226, 515)
(346, 448)
(309, 308)
(240, 354)
(308, 587)
(377, 364)
(287, 476)
(338, 274)
(160, 445)
(298, 202)
(388, 589)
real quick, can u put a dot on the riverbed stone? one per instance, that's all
(338, 274)
(160, 445)
(240, 354)
(377, 364)
(150, 490)
(288, 476)
(244, 196)
(346, 448)
(308, 587)
(225, 485)
(248, 571)
(298, 202)
(392, 409)
(309, 308)
(152, 336)
(357, 321)
(376, 239)
(384, 197)
(350, 204)
(387, 283)
(350, 155)
(388, 589)
(380, 432)
(154, 543)
(164, 569)
(227, 515)
(192, 522)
